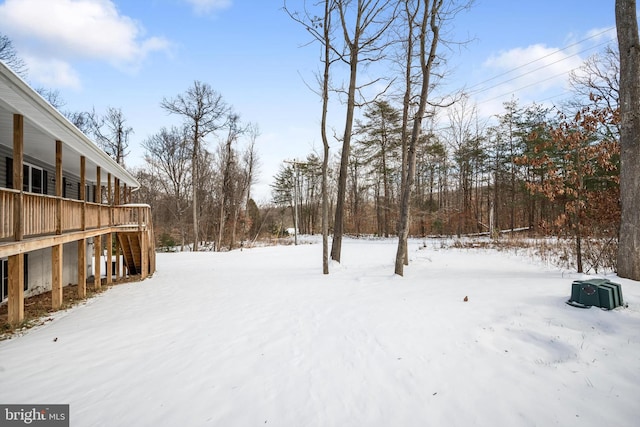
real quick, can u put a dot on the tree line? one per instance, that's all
(536, 169)
(182, 174)
(417, 162)
(198, 195)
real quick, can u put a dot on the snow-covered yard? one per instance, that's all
(261, 337)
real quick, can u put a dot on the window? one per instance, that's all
(35, 179)
(8, 181)
(4, 273)
(4, 291)
(87, 192)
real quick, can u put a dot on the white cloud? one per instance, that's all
(529, 74)
(64, 30)
(533, 65)
(208, 6)
(606, 34)
(52, 72)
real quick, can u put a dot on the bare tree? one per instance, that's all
(112, 133)
(52, 96)
(408, 14)
(326, 68)
(9, 56)
(81, 119)
(599, 75)
(597, 82)
(250, 167)
(429, 35)
(204, 112)
(320, 27)
(363, 24)
(168, 155)
(464, 142)
(250, 158)
(629, 47)
(232, 183)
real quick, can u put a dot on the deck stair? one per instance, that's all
(132, 251)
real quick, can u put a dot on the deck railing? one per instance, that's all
(6, 211)
(132, 215)
(39, 215)
(92, 213)
(71, 215)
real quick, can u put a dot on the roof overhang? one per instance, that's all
(44, 125)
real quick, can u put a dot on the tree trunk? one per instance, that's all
(364, 40)
(311, 23)
(629, 46)
(338, 225)
(579, 253)
(387, 197)
(194, 187)
(426, 62)
(406, 104)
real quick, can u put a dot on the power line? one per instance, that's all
(545, 56)
(537, 69)
(523, 87)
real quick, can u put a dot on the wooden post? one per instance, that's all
(82, 268)
(109, 263)
(124, 195)
(118, 254)
(142, 235)
(15, 303)
(117, 191)
(98, 184)
(56, 276)
(58, 187)
(16, 289)
(99, 193)
(82, 243)
(109, 199)
(18, 157)
(97, 251)
(144, 256)
(83, 191)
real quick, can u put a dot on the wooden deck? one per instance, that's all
(43, 215)
(30, 222)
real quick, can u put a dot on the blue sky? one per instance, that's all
(129, 54)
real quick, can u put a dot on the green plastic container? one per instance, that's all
(596, 292)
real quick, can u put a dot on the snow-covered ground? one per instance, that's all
(261, 337)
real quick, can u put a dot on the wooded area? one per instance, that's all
(547, 171)
(535, 169)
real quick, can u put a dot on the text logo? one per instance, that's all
(34, 415)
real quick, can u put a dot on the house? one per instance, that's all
(63, 202)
